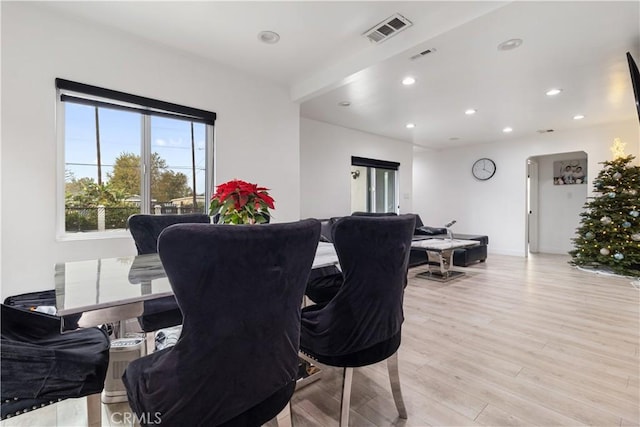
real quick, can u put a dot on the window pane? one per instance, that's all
(100, 194)
(177, 166)
(105, 150)
(385, 191)
(373, 189)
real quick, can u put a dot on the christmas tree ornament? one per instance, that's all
(626, 224)
(604, 251)
(634, 213)
(618, 256)
(635, 237)
(611, 195)
(589, 235)
(617, 175)
(605, 220)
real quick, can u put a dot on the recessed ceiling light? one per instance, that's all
(578, 117)
(410, 125)
(470, 111)
(510, 44)
(454, 138)
(553, 92)
(344, 103)
(268, 37)
(408, 81)
(507, 130)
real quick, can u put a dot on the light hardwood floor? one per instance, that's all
(517, 341)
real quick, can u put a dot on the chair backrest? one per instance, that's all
(145, 228)
(40, 365)
(375, 214)
(326, 229)
(373, 254)
(240, 288)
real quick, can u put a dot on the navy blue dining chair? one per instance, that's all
(362, 323)
(240, 288)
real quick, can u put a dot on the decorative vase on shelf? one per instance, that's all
(241, 202)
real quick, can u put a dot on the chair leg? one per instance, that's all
(283, 419)
(150, 342)
(347, 379)
(94, 410)
(394, 379)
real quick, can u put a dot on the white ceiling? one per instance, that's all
(322, 58)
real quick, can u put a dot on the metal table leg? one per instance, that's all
(439, 266)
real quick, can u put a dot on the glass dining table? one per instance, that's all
(95, 292)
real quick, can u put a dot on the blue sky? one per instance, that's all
(120, 131)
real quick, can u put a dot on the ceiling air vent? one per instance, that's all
(387, 28)
(423, 53)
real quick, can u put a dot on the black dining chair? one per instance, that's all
(240, 288)
(40, 366)
(374, 214)
(362, 324)
(144, 228)
(324, 283)
(33, 300)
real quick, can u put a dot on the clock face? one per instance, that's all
(483, 169)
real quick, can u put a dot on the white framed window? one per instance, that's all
(122, 154)
(374, 185)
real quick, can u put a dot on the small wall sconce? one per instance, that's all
(355, 174)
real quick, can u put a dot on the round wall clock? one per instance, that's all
(483, 169)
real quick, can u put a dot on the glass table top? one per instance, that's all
(110, 289)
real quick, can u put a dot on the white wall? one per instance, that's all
(257, 132)
(325, 165)
(444, 189)
(359, 193)
(559, 206)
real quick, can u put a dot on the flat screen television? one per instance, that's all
(635, 81)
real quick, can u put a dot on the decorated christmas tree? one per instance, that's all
(609, 235)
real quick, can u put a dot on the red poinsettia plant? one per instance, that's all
(241, 202)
